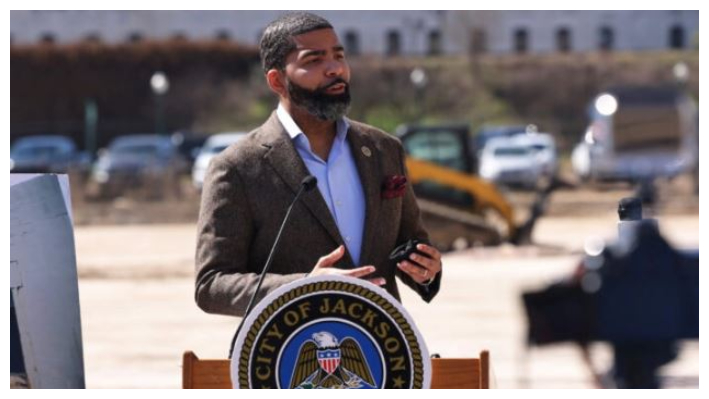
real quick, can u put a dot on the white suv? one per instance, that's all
(523, 160)
(213, 146)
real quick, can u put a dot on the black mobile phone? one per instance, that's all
(403, 251)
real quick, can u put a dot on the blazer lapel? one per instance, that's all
(367, 159)
(285, 160)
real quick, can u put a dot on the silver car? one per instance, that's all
(213, 146)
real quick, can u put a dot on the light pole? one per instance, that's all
(160, 85)
(681, 75)
(419, 79)
(90, 124)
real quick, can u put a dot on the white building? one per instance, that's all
(574, 31)
(381, 32)
(378, 32)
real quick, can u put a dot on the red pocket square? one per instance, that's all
(394, 186)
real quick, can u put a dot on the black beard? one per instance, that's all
(326, 107)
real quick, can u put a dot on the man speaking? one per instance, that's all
(362, 208)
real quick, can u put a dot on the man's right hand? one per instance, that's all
(326, 263)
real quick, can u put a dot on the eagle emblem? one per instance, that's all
(324, 363)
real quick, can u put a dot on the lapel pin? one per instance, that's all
(366, 151)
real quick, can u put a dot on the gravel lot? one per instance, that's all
(138, 313)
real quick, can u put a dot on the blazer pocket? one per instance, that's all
(393, 186)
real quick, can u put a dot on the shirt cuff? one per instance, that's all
(429, 282)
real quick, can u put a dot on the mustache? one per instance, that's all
(336, 82)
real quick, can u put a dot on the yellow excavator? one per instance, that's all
(459, 208)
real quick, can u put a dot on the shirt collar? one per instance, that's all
(294, 131)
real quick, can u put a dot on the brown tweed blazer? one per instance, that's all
(246, 193)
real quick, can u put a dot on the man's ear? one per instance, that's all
(276, 81)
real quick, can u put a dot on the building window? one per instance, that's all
(393, 43)
(478, 41)
(676, 38)
(352, 43)
(93, 38)
(521, 41)
(135, 37)
(179, 37)
(563, 40)
(223, 35)
(47, 38)
(434, 42)
(606, 38)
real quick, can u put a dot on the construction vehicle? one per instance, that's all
(459, 208)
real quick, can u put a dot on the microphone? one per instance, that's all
(307, 184)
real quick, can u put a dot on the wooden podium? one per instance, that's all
(466, 373)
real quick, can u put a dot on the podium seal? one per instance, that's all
(330, 332)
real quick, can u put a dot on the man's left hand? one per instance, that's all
(423, 269)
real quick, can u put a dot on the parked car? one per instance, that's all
(523, 160)
(45, 154)
(189, 145)
(213, 146)
(147, 161)
(544, 147)
(489, 132)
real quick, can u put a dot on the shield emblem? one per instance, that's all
(329, 359)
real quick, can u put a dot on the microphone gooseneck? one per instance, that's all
(307, 184)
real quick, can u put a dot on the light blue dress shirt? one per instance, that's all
(338, 181)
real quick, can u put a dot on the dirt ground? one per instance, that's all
(139, 316)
